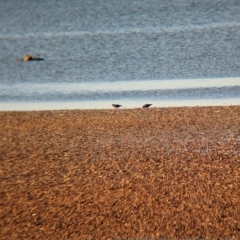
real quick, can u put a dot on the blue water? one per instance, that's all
(107, 51)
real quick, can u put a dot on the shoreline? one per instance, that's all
(116, 174)
(107, 104)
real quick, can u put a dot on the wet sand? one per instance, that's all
(159, 173)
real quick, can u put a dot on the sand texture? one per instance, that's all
(159, 173)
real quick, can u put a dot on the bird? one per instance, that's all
(146, 105)
(116, 105)
(29, 57)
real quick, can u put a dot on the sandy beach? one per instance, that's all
(158, 173)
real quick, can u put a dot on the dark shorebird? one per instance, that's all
(116, 105)
(146, 105)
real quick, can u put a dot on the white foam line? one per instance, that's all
(124, 31)
(27, 88)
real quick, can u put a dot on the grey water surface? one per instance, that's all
(106, 44)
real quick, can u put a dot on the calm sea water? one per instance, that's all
(110, 51)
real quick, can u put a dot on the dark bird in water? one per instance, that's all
(146, 105)
(29, 57)
(116, 105)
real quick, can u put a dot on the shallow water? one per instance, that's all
(98, 51)
(154, 90)
(107, 104)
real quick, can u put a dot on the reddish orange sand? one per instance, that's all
(159, 173)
